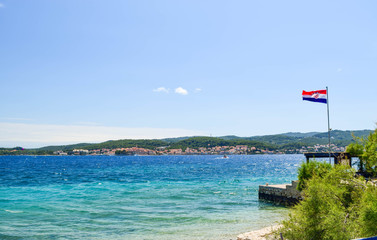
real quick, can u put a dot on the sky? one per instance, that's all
(90, 71)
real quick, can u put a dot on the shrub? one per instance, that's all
(336, 206)
(366, 150)
(308, 170)
(368, 212)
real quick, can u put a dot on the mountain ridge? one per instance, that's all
(338, 137)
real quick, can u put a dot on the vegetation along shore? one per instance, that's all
(339, 201)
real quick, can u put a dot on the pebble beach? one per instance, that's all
(261, 234)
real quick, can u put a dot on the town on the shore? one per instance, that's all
(216, 150)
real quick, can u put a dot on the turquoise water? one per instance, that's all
(138, 197)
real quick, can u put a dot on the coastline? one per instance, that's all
(261, 234)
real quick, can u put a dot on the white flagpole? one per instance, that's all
(328, 122)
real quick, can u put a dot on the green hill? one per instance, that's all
(278, 139)
(127, 143)
(196, 142)
(300, 135)
(286, 141)
(343, 135)
(63, 147)
(174, 140)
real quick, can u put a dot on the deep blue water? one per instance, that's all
(138, 197)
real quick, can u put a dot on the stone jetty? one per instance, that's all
(283, 194)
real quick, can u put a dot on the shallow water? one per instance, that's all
(138, 197)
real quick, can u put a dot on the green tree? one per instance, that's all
(368, 212)
(308, 170)
(336, 206)
(365, 148)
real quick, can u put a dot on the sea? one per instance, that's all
(139, 197)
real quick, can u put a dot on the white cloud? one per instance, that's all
(1, 5)
(198, 90)
(181, 91)
(38, 135)
(161, 89)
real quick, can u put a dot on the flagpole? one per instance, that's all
(328, 122)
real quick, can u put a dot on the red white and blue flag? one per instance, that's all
(315, 96)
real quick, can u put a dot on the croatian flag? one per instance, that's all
(315, 96)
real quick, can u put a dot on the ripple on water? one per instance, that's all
(157, 197)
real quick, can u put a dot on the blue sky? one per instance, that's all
(90, 71)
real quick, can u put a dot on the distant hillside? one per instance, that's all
(196, 142)
(274, 139)
(300, 135)
(289, 140)
(63, 147)
(231, 137)
(343, 135)
(285, 141)
(173, 140)
(338, 137)
(127, 143)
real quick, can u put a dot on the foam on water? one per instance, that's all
(134, 197)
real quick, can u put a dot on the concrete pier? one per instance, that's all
(283, 194)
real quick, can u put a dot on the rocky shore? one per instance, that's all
(261, 234)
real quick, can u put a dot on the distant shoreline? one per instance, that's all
(110, 155)
(285, 143)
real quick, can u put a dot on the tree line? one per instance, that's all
(284, 142)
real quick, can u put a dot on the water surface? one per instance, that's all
(138, 197)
